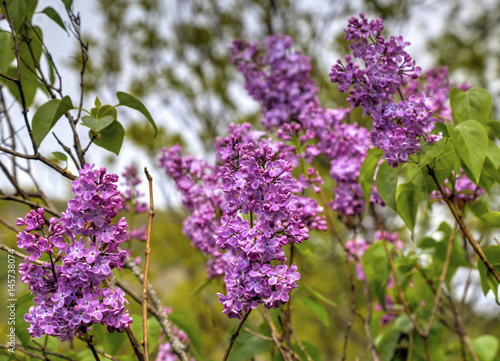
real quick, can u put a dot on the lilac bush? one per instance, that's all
(78, 253)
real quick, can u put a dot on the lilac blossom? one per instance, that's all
(463, 190)
(81, 251)
(201, 195)
(279, 79)
(131, 201)
(398, 127)
(261, 216)
(290, 105)
(436, 85)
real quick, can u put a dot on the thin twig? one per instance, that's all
(410, 344)
(288, 313)
(301, 346)
(30, 203)
(92, 348)
(135, 296)
(67, 150)
(3, 247)
(441, 282)
(395, 274)
(177, 346)
(8, 225)
(463, 226)
(147, 253)
(353, 309)
(107, 355)
(250, 331)
(235, 335)
(29, 353)
(288, 355)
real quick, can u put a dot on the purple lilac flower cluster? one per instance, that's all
(279, 79)
(398, 128)
(434, 84)
(80, 251)
(202, 196)
(131, 201)
(463, 190)
(258, 184)
(289, 103)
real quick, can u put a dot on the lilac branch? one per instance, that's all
(147, 253)
(458, 217)
(235, 334)
(177, 346)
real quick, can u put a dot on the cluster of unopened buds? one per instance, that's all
(70, 261)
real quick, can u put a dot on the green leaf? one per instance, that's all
(430, 151)
(446, 229)
(134, 103)
(248, 346)
(23, 305)
(407, 200)
(471, 143)
(7, 54)
(317, 309)
(493, 154)
(29, 83)
(377, 269)
(19, 10)
(489, 176)
(386, 344)
(187, 322)
(367, 173)
(52, 14)
(473, 104)
(43, 120)
(485, 346)
(318, 295)
(387, 179)
(445, 162)
(112, 342)
(106, 110)
(35, 37)
(60, 156)
(403, 324)
(488, 281)
(154, 330)
(478, 208)
(97, 124)
(313, 352)
(110, 138)
(433, 343)
(495, 126)
(68, 4)
(65, 106)
(201, 286)
(458, 257)
(492, 219)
